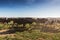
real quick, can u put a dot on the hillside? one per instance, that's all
(30, 28)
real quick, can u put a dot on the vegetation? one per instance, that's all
(40, 30)
(34, 35)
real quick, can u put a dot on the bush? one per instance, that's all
(11, 22)
(34, 23)
(20, 25)
(15, 25)
(27, 25)
(1, 26)
(6, 26)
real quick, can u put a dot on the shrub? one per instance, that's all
(11, 22)
(34, 23)
(1, 26)
(20, 25)
(27, 25)
(15, 25)
(6, 26)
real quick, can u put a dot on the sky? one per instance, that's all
(29, 8)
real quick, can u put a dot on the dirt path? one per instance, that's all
(4, 30)
(3, 33)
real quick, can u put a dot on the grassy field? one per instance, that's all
(29, 31)
(33, 35)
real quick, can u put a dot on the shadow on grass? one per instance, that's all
(14, 30)
(21, 29)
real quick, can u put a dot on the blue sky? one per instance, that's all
(29, 8)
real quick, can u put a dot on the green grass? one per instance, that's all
(33, 35)
(30, 34)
